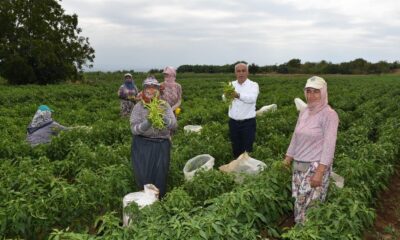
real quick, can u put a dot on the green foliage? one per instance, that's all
(39, 43)
(77, 182)
(156, 109)
(208, 184)
(229, 91)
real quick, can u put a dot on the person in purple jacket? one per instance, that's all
(42, 127)
(127, 93)
(312, 148)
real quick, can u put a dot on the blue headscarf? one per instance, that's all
(129, 82)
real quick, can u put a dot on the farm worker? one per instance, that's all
(127, 92)
(171, 91)
(312, 148)
(151, 146)
(242, 111)
(43, 127)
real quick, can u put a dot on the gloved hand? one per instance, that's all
(166, 120)
(145, 125)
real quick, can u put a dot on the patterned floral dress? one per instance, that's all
(126, 96)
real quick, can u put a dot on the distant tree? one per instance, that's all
(359, 66)
(39, 43)
(253, 68)
(379, 67)
(154, 70)
(294, 65)
(282, 69)
(308, 67)
(331, 68)
(395, 65)
(345, 68)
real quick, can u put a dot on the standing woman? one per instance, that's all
(127, 93)
(151, 146)
(312, 148)
(171, 91)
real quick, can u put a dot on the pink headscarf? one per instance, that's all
(170, 79)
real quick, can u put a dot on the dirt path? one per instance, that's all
(387, 222)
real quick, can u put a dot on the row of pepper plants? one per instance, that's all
(72, 188)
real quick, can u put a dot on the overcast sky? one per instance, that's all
(143, 34)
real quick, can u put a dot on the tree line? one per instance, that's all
(41, 44)
(295, 66)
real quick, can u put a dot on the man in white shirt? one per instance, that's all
(242, 112)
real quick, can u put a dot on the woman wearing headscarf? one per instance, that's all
(127, 93)
(171, 91)
(42, 127)
(312, 148)
(151, 145)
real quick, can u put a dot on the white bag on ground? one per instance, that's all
(143, 198)
(268, 108)
(300, 104)
(337, 179)
(243, 164)
(203, 161)
(192, 128)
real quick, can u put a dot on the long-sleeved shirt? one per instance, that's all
(124, 92)
(244, 107)
(44, 133)
(139, 116)
(315, 140)
(172, 94)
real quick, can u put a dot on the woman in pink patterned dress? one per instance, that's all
(312, 148)
(171, 91)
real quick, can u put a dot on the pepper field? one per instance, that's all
(73, 187)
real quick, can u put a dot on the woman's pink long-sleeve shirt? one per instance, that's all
(314, 139)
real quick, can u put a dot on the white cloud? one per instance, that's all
(157, 33)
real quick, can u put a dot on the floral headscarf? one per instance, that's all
(151, 81)
(171, 77)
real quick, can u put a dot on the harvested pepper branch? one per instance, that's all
(156, 112)
(229, 92)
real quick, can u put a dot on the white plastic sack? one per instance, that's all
(192, 128)
(243, 164)
(203, 161)
(337, 179)
(143, 198)
(300, 104)
(268, 108)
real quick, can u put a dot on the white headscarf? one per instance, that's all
(40, 118)
(315, 107)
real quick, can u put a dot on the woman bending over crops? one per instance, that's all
(42, 127)
(312, 148)
(151, 120)
(171, 91)
(127, 94)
